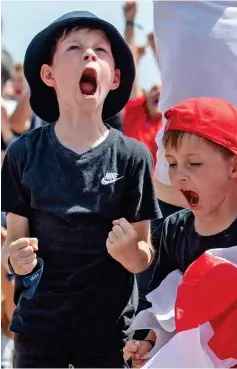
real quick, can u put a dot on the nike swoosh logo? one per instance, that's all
(105, 181)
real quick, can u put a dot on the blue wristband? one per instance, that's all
(30, 281)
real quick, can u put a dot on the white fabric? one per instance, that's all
(9, 105)
(165, 295)
(197, 47)
(187, 349)
(7, 348)
(160, 317)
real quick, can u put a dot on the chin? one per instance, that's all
(203, 213)
(199, 213)
(154, 112)
(88, 104)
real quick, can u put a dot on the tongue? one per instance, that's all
(87, 88)
(193, 197)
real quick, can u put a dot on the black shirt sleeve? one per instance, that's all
(15, 197)
(139, 202)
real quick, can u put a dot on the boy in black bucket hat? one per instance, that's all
(84, 192)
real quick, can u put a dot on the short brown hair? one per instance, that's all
(172, 139)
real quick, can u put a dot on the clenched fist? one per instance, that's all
(136, 350)
(130, 10)
(22, 255)
(122, 241)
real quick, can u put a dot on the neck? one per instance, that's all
(155, 116)
(220, 219)
(80, 130)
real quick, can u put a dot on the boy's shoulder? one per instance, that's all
(133, 148)
(21, 146)
(178, 222)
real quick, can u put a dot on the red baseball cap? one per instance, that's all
(211, 118)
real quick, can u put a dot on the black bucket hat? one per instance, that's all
(43, 100)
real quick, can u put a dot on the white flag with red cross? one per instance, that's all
(194, 315)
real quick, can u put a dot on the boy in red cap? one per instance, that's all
(201, 147)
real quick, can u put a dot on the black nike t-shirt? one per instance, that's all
(71, 201)
(181, 245)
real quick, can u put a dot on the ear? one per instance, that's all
(116, 81)
(234, 167)
(47, 75)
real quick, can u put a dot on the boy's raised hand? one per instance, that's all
(136, 350)
(22, 255)
(151, 40)
(130, 10)
(122, 240)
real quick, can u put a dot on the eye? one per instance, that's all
(172, 165)
(74, 47)
(195, 164)
(100, 49)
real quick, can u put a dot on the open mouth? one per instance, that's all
(192, 198)
(88, 82)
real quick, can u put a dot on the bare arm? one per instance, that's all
(151, 336)
(169, 194)
(151, 42)
(129, 244)
(139, 243)
(17, 227)
(6, 130)
(7, 293)
(130, 10)
(20, 119)
(145, 249)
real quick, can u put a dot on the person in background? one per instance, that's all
(7, 106)
(142, 121)
(7, 307)
(7, 285)
(19, 83)
(142, 117)
(23, 119)
(16, 115)
(15, 96)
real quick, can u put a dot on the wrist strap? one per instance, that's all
(151, 342)
(10, 266)
(133, 24)
(30, 281)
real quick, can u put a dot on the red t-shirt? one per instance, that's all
(138, 125)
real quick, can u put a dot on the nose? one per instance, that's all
(180, 175)
(89, 55)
